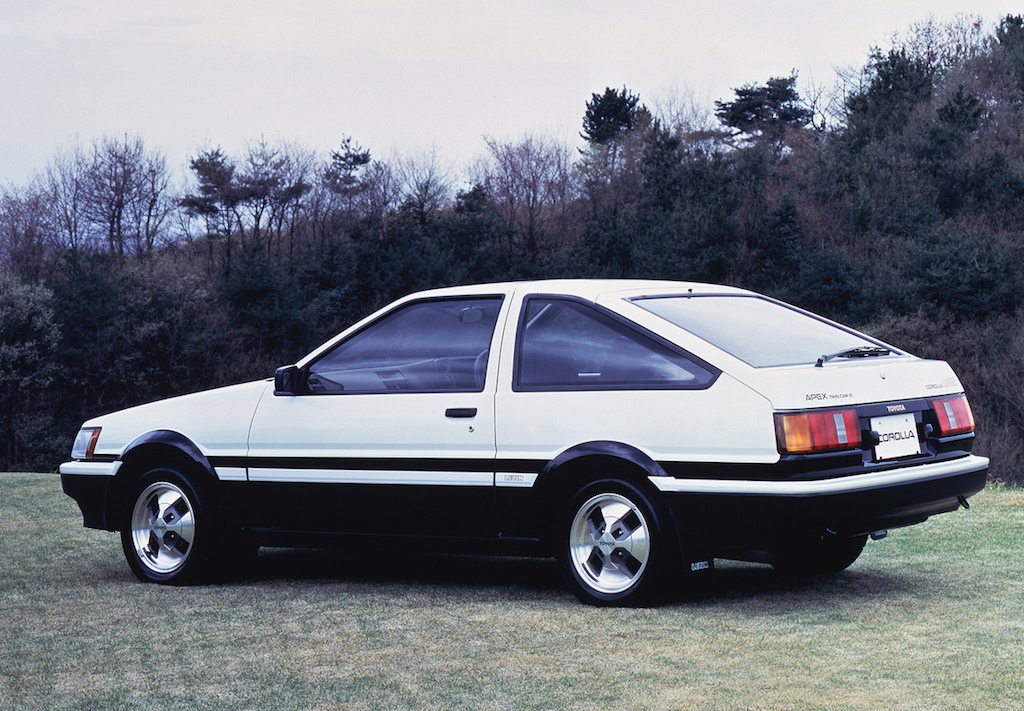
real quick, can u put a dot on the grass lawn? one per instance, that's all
(930, 618)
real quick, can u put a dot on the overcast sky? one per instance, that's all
(398, 75)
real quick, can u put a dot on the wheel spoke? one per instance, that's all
(178, 543)
(177, 510)
(596, 522)
(625, 526)
(153, 547)
(624, 561)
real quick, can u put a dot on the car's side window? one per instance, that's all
(564, 344)
(426, 346)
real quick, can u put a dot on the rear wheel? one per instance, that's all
(167, 536)
(613, 550)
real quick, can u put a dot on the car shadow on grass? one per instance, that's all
(407, 570)
(538, 577)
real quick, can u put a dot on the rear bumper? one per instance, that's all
(969, 464)
(776, 511)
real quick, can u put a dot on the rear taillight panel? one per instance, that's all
(953, 414)
(853, 428)
(817, 431)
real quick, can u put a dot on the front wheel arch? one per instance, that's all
(160, 447)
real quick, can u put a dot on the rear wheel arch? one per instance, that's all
(583, 464)
(606, 467)
(590, 461)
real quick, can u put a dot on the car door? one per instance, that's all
(390, 432)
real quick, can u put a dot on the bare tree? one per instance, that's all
(64, 181)
(426, 185)
(125, 194)
(25, 245)
(686, 115)
(944, 45)
(383, 193)
(531, 183)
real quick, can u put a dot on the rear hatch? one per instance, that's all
(847, 417)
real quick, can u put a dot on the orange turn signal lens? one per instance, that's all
(85, 443)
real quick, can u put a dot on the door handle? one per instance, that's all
(460, 412)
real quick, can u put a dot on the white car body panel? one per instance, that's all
(379, 426)
(217, 421)
(840, 383)
(677, 425)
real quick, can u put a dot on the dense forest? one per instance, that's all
(893, 201)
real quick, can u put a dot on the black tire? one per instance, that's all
(167, 534)
(613, 548)
(826, 556)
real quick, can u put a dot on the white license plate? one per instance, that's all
(897, 436)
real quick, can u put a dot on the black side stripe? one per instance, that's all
(393, 464)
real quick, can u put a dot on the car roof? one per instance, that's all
(590, 289)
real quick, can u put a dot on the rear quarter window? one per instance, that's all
(567, 344)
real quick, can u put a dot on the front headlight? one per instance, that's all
(85, 443)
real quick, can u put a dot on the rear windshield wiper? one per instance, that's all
(856, 352)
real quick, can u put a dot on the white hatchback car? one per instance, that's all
(632, 429)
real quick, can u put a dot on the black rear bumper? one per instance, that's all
(770, 514)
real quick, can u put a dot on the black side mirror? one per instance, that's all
(287, 380)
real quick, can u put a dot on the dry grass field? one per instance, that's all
(930, 618)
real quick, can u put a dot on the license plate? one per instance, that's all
(897, 436)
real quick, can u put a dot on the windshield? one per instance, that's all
(759, 331)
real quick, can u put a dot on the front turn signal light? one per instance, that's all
(85, 443)
(817, 431)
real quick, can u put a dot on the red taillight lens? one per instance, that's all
(817, 431)
(954, 414)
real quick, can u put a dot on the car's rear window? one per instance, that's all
(756, 330)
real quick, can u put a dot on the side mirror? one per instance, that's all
(287, 380)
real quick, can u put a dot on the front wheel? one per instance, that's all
(167, 532)
(614, 552)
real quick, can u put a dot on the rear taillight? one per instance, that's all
(817, 431)
(954, 414)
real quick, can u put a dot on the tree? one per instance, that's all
(610, 114)
(216, 201)
(896, 84)
(269, 187)
(614, 124)
(25, 244)
(64, 182)
(28, 341)
(218, 193)
(343, 176)
(1009, 46)
(529, 182)
(125, 194)
(426, 186)
(765, 112)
